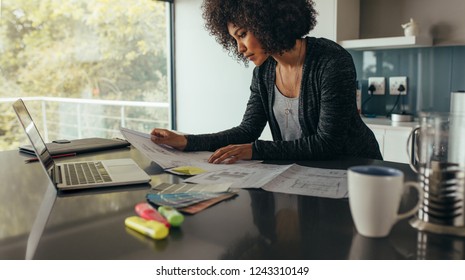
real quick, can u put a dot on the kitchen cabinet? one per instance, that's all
(442, 22)
(339, 20)
(392, 137)
(376, 24)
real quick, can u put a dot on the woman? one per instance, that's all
(303, 87)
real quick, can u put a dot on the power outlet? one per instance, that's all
(379, 83)
(395, 82)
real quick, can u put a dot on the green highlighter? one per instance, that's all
(172, 215)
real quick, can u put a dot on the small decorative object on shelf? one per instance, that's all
(410, 28)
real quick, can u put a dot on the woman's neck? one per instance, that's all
(294, 57)
(289, 69)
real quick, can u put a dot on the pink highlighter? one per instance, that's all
(144, 210)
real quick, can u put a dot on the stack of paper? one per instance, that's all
(189, 198)
(292, 179)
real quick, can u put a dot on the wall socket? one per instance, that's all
(395, 82)
(379, 83)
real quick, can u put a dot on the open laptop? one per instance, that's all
(79, 175)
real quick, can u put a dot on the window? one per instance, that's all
(85, 67)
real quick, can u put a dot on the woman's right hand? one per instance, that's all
(170, 138)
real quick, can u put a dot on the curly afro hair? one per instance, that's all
(275, 23)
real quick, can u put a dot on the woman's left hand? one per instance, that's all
(231, 154)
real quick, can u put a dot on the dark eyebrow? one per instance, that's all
(237, 30)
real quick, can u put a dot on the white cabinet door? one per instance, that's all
(392, 141)
(395, 145)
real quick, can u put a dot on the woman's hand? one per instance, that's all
(170, 138)
(231, 154)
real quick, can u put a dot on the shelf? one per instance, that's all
(387, 43)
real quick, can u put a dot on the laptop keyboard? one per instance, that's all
(80, 173)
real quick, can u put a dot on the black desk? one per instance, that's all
(254, 225)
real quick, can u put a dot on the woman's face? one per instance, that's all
(248, 44)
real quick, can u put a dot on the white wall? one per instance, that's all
(212, 89)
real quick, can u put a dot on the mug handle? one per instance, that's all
(412, 147)
(418, 205)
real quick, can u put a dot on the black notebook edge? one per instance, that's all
(80, 146)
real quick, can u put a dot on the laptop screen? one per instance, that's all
(33, 134)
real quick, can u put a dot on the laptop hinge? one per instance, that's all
(56, 174)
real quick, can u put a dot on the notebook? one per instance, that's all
(79, 175)
(78, 146)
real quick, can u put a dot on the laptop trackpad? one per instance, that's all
(125, 169)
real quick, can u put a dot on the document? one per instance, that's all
(164, 156)
(169, 158)
(241, 177)
(302, 180)
(292, 179)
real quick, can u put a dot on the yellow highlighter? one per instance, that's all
(152, 229)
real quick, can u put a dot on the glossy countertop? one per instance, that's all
(39, 223)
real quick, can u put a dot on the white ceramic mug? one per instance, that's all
(375, 193)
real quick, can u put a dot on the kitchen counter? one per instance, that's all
(382, 122)
(392, 137)
(40, 223)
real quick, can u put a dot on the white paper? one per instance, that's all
(168, 157)
(255, 176)
(292, 179)
(331, 183)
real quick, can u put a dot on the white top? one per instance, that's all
(286, 112)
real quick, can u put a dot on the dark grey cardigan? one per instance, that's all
(331, 126)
